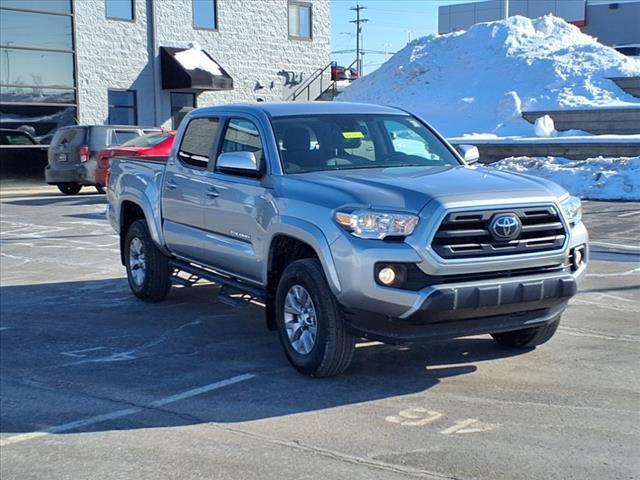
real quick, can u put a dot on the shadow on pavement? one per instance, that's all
(49, 199)
(78, 349)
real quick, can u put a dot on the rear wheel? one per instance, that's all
(148, 268)
(528, 337)
(310, 322)
(69, 188)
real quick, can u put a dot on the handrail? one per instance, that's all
(306, 84)
(305, 87)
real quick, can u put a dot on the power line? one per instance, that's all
(358, 22)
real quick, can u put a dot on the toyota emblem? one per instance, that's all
(505, 227)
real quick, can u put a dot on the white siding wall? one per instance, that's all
(251, 44)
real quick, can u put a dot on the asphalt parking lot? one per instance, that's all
(95, 384)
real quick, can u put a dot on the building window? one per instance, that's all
(197, 142)
(205, 14)
(120, 9)
(37, 66)
(122, 107)
(300, 21)
(181, 104)
(53, 6)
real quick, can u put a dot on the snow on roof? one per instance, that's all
(195, 58)
(480, 80)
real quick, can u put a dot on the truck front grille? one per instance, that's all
(467, 234)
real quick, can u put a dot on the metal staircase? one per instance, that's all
(319, 86)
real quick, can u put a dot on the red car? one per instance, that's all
(343, 73)
(156, 144)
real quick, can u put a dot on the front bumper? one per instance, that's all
(449, 311)
(523, 291)
(66, 174)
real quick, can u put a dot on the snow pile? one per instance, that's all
(196, 58)
(545, 127)
(594, 179)
(480, 81)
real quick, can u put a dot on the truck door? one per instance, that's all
(184, 187)
(236, 208)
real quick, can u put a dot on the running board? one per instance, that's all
(196, 272)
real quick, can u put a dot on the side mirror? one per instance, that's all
(238, 163)
(470, 153)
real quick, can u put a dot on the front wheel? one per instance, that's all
(148, 268)
(310, 322)
(528, 337)
(70, 188)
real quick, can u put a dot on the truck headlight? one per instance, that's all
(377, 225)
(572, 209)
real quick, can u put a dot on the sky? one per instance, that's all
(391, 24)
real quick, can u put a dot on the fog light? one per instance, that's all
(578, 256)
(387, 275)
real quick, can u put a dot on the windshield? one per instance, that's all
(150, 140)
(341, 142)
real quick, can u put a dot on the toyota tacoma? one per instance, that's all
(348, 221)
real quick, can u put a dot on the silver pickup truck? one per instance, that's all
(348, 221)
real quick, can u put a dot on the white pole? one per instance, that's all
(505, 8)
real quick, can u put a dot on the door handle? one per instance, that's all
(212, 193)
(171, 184)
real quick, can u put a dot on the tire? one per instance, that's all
(70, 188)
(148, 270)
(528, 337)
(100, 189)
(332, 348)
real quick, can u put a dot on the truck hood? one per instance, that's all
(411, 188)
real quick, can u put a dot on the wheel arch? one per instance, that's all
(294, 241)
(130, 211)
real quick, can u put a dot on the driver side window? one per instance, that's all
(243, 136)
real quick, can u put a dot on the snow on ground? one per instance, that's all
(487, 139)
(480, 80)
(594, 179)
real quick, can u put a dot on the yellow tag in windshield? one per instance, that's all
(353, 134)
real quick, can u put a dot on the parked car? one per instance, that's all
(20, 152)
(73, 152)
(344, 232)
(10, 136)
(156, 144)
(343, 73)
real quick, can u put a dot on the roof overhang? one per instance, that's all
(192, 69)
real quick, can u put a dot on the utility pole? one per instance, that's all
(358, 21)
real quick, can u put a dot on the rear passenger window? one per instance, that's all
(197, 143)
(72, 136)
(242, 136)
(122, 136)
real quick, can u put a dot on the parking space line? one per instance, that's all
(124, 412)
